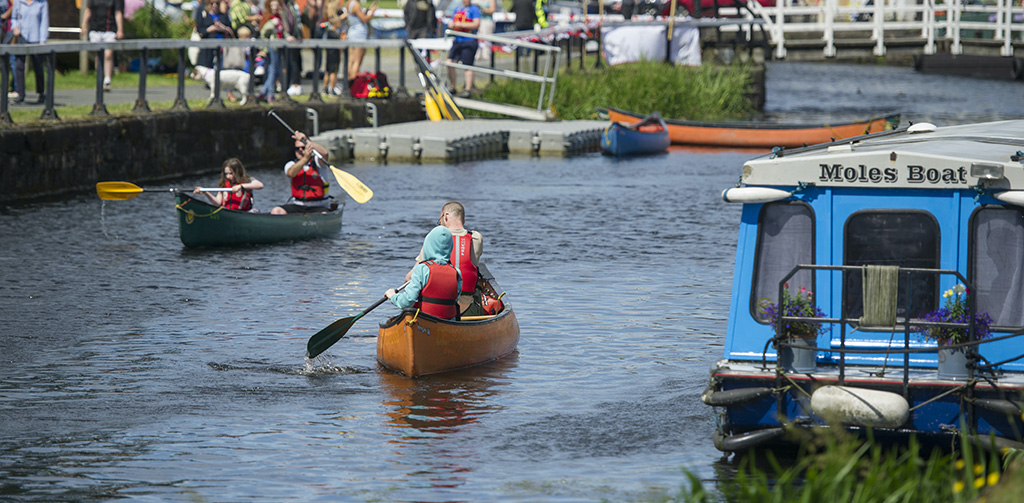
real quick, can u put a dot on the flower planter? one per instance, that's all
(953, 363)
(801, 357)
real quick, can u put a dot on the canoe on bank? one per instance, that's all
(760, 135)
(417, 345)
(649, 136)
(203, 224)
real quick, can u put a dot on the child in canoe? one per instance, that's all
(234, 177)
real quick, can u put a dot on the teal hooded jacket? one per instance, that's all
(437, 246)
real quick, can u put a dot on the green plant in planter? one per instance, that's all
(954, 310)
(800, 305)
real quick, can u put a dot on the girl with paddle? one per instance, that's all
(234, 177)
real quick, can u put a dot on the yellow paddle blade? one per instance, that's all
(360, 192)
(117, 191)
(439, 101)
(433, 113)
(454, 107)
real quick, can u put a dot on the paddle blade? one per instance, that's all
(433, 113)
(326, 338)
(360, 192)
(117, 191)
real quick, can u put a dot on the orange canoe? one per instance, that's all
(418, 344)
(760, 135)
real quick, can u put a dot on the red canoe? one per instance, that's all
(760, 135)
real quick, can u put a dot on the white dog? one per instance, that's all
(236, 79)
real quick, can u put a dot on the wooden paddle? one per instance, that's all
(355, 188)
(122, 191)
(330, 334)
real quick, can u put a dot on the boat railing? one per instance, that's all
(907, 323)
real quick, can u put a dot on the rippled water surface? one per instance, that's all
(134, 368)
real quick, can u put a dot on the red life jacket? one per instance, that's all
(308, 185)
(237, 200)
(463, 261)
(439, 297)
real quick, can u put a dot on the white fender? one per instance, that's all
(754, 195)
(1015, 197)
(860, 407)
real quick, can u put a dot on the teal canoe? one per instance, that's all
(203, 224)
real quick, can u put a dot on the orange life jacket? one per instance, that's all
(308, 185)
(237, 200)
(439, 297)
(462, 259)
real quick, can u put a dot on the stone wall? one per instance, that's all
(64, 158)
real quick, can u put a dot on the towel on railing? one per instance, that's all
(879, 288)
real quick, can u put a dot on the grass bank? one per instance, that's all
(840, 468)
(699, 93)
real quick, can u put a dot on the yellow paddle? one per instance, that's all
(123, 191)
(442, 97)
(355, 188)
(430, 101)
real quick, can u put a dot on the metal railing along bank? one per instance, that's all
(550, 40)
(144, 47)
(957, 23)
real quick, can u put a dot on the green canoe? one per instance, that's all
(203, 224)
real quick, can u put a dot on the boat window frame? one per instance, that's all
(843, 308)
(754, 301)
(971, 240)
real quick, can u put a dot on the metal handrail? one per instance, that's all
(50, 49)
(548, 77)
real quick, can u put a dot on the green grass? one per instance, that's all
(699, 93)
(835, 467)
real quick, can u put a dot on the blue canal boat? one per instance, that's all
(899, 261)
(649, 136)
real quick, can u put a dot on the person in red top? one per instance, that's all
(308, 175)
(233, 176)
(465, 255)
(434, 284)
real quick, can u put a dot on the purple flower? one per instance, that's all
(799, 305)
(954, 310)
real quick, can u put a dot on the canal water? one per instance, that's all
(133, 368)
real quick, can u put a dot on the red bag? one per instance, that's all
(491, 305)
(370, 85)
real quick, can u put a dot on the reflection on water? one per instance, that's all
(134, 368)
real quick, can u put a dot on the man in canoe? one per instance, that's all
(434, 284)
(307, 174)
(466, 250)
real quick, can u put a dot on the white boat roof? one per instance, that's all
(921, 156)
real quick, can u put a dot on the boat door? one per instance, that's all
(920, 229)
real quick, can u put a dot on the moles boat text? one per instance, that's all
(837, 173)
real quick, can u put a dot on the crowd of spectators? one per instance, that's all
(279, 70)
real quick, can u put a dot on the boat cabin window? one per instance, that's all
(785, 238)
(997, 264)
(892, 237)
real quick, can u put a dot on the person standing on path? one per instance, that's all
(466, 19)
(31, 23)
(358, 31)
(104, 20)
(487, 10)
